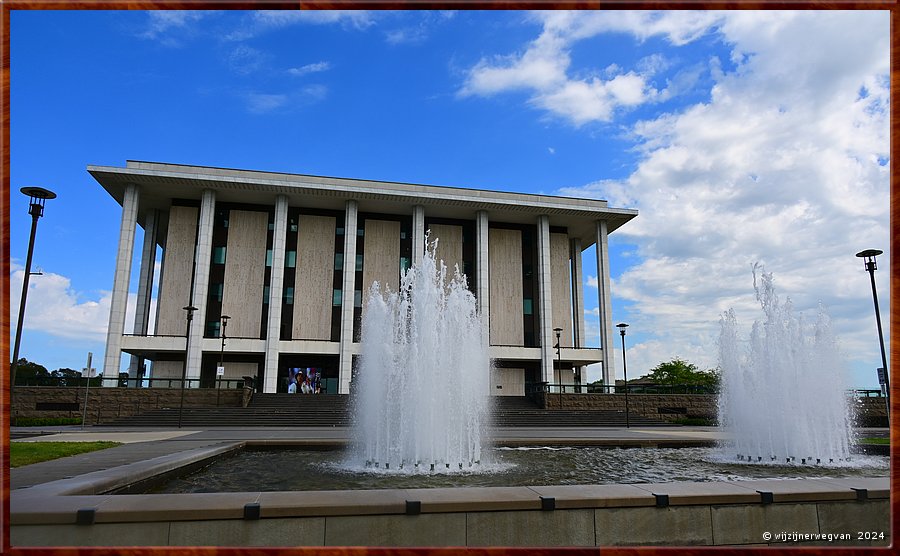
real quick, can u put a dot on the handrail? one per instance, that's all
(538, 387)
(142, 383)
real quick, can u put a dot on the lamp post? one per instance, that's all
(869, 256)
(187, 340)
(37, 197)
(558, 362)
(221, 369)
(622, 326)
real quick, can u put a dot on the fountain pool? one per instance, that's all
(304, 470)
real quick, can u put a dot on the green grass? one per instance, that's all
(26, 453)
(884, 441)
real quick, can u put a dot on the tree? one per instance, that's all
(679, 371)
(29, 372)
(67, 377)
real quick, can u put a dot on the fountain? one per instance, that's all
(783, 396)
(421, 391)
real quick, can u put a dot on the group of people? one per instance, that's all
(304, 383)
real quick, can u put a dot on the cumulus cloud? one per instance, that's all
(785, 165)
(543, 69)
(54, 307)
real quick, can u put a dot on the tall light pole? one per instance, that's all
(221, 369)
(37, 197)
(869, 256)
(187, 339)
(558, 361)
(622, 326)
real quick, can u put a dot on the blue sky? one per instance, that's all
(741, 137)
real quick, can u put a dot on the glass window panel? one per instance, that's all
(339, 261)
(404, 264)
(289, 295)
(266, 294)
(357, 298)
(528, 306)
(339, 231)
(336, 298)
(268, 257)
(359, 262)
(219, 255)
(291, 261)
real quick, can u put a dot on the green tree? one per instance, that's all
(679, 371)
(67, 377)
(29, 372)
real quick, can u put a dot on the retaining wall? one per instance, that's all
(870, 411)
(107, 404)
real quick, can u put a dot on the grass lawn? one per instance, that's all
(884, 441)
(26, 453)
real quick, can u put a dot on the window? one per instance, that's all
(339, 261)
(266, 295)
(359, 263)
(528, 306)
(336, 298)
(404, 264)
(357, 298)
(217, 290)
(219, 255)
(293, 225)
(291, 260)
(268, 257)
(212, 329)
(360, 232)
(402, 235)
(289, 296)
(339, 231)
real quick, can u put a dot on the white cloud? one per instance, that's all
(310, 68)
(245, 60)
(162, 23)
(262, 21)
(55, 308)
(543, 68)
(261, 103)
(784, 165)
(265, 103)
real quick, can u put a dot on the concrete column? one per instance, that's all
(577, 301)
(276, 289)
(346, 353)
(202, 257)
(145, 287)
(482, 267)
(548, 339)
(119, 302)
(605, 304)
(577, 292)
(418, 234)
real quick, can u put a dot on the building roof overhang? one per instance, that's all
(159, 183)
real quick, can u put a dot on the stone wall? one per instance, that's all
(870, 412)
(107, 404)
(665, 407)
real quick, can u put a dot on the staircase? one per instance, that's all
(326, 410)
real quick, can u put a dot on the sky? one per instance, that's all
(741, 137)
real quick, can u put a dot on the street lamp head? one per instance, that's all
(558, 331)
(622, 326)
(224, 319)
(38, 196)
(869, 256)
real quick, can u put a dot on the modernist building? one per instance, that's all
(287, 257)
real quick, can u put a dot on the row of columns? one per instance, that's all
(201, 282)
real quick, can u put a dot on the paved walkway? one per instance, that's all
(139, 444)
